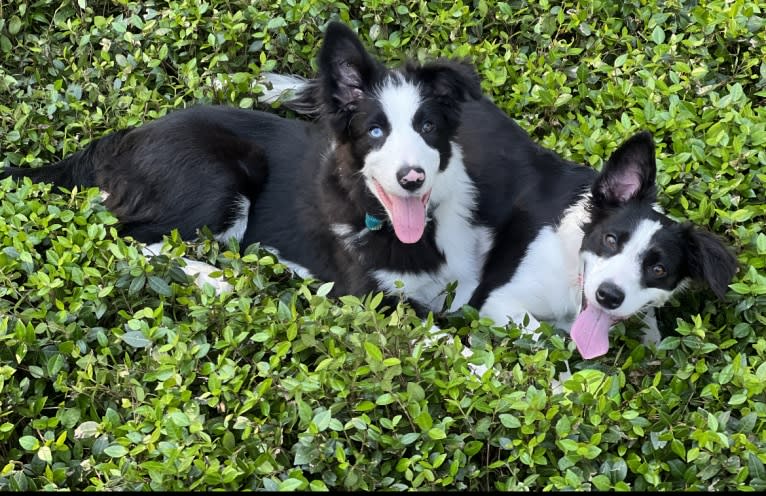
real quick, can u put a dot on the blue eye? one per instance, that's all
(427, 127)
(375, 132)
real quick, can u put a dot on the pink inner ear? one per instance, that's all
(625, 186)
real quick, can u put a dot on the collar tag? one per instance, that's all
(372, 223)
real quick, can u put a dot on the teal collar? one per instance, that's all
(372, 223)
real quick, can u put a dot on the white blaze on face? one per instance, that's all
(403, 146)
(590, 330)
(624, 269)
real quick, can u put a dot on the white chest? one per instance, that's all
(463, 244)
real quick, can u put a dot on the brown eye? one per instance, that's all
(659, 271)
(610, 241)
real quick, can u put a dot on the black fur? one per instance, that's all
(524, 187)
(192, 168)
(622, 195)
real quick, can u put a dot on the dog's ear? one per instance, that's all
(346, 70)
(455, 81)
(710, 261)
(629, 173)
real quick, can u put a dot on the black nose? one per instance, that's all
(411, 178)
(609, 296)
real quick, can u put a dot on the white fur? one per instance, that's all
(403, 146)
(277, 87)
(652, 333)
(463, 243)
(545, 285)
(350, 237)
(624, 270)
(296, 269)
(199, 271)
(238, 228)
(452, 201)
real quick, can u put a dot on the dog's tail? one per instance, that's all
(296, 93)
(78, 169)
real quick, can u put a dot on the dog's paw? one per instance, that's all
(652, 333)
(436, 335)
(557, 385)
(200, 272)
(477, 370)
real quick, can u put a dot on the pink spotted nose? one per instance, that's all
(411, 178)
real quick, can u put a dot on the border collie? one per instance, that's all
(570, 245)
(374, 193)
(598, 254)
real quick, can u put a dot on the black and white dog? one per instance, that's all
(374, 193)
(598, 253)
(570, 245)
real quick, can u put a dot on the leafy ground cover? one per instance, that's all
(117, 373)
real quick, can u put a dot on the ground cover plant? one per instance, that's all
(117, 373)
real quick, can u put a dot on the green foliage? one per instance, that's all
(117, 373)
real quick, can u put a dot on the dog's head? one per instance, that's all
(392, 127)
(634, 256)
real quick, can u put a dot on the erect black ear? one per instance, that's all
(453, 80)
(346, 70)
(710, 260)
(629, 173)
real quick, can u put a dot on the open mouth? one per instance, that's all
(407, 213)
(590, 331)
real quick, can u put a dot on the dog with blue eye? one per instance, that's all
(580, 248)
(408, 180)
(373, 192)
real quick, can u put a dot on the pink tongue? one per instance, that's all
(409, 218)
(590, 332)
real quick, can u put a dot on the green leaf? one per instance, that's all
(740, 288)
(179, 418)
(322, 420)
(738, 398)
(87, 429)
(136, 339)
(436, 433)
(760, 244)
(756, 467)
(602, 482)
(290, 485)
(415, 392)
(29, 443)
(14, 25)
(159, 286)
(509, 421)
(44, 454)
(116, 451)
(373, 351)
(473, 447)
(567, 444)
(325, 289)
(658, 35)
(365, 406)
(424, 420)
(409, 438)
